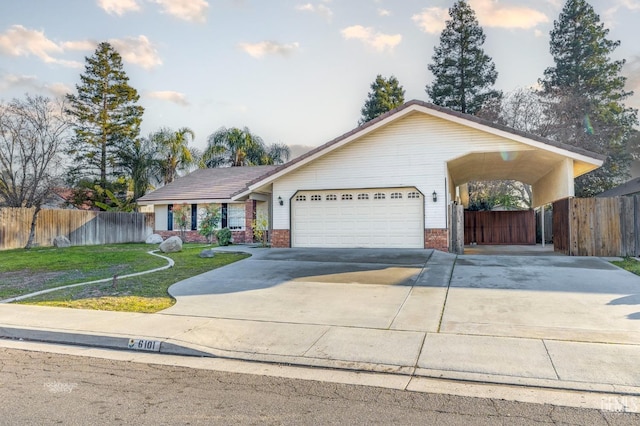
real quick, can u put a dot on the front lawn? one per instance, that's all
(26, 271)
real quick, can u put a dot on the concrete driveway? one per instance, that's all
(547, 297)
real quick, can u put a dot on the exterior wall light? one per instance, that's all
(280, 201)
(435, 196)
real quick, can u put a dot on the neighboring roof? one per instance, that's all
(630, 187)
(207, 184)
(435, 110)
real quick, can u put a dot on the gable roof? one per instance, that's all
(206, 185)
(413, 106)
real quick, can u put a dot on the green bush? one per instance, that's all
(224, 237)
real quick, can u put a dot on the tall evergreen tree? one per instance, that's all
(464, 74)
(107, 118)
(585, 93)
(385, 95)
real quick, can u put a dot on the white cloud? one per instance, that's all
(492, 14)
(138, 51)
(21, 41)
(384, 12)
(170, 96)
(79, 45)
(431, 20)
(608, 16)
(370, 37)
(631, 70)
(489, 13)
(319, 9)
(258, 50)
(538, 33)
(31, 83)
(188, 10)
(119, 7)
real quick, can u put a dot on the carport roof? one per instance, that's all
(541, 150)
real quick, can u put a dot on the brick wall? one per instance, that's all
(436, 239)
(280, 238)
(249, 216)
(195, 237)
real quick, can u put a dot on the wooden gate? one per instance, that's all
(500, 227)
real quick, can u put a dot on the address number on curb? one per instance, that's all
(144, 345)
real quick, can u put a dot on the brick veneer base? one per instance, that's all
(280, 238)
(239, 237)
(436, 239)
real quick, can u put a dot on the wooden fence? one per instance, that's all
(500, 227)
(597, 226)
(81, 227)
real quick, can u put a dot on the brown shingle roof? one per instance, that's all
(207, 184)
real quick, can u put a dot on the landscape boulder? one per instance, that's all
(206, 253)
(171, 245)
(61, 241)
(154, 239)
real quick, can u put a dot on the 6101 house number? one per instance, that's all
(144, 345)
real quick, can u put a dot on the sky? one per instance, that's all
(293, 72)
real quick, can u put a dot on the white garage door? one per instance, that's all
(384, 217)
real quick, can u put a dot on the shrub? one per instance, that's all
(260, 226)
(209, 221)
(224, 237)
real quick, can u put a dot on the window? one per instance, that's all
(301, 198)
(396, 195)
(379, 196)
(331, 197)
(363, 196)
(316, 198)
(413, 194)
(235, 217)
(347, 197)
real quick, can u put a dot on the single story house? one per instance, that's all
(387, 183)
(209, 186)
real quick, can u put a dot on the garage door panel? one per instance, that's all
(385, 217)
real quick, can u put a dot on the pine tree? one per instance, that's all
(464, 74)
(107, 118)
(385, 95)
(585, 94)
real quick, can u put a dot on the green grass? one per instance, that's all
(146, 293)
(629, 264)
(26, 271)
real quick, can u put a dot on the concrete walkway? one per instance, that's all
(555, 322)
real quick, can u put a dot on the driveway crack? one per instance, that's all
(446, 295)
(555, 371)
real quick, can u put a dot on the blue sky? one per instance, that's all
(294, 72)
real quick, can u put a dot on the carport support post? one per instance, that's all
(542, 223)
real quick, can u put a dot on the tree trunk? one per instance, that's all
(32, 231)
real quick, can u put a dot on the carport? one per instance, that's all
(549, 168)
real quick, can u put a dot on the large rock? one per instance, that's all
(61, 241)
(154, 239)
(171, 245)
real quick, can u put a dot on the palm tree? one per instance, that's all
(239, 147)
(141, 163)
(174, 152)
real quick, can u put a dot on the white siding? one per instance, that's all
(413, 151)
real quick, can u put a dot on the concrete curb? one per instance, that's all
(170, 346)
